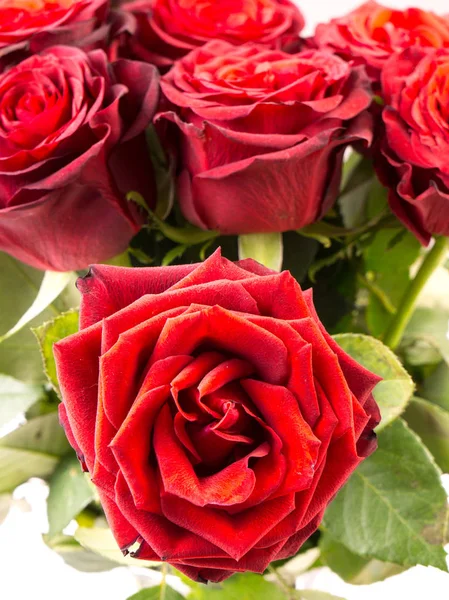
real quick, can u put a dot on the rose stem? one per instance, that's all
(163, 581)
(283, 584)
(432, 261)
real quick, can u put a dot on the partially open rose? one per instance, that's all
(262, 134)
(413, 157)
(162, 31)
(214, 413)
(29, 26)
(372, 33)
(72, 144)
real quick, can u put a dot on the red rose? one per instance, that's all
(413, 156)
(72, 145)
(162, 31)
(214, 413)
(263, 134)
(29, 26)
(372, 33)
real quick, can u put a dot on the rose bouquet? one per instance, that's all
(219, 334)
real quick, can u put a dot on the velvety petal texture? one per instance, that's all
(372, 33)
(163, 31)
(262, 134)
(212, 410)
(29, 26)
(412, 158)
(72, 144)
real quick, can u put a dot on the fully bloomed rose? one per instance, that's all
(214, 413)
(263, 134)
(372, 33)
(29, 26)
(72, 144)
(413, 156)
(162, 31)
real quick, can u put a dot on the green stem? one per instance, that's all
(290, 592)
(434, 258)
(163, 581)
(378, 292)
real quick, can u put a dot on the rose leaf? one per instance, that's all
(70, 492)
(157, 592)
(431, 423)
(32, 450)
(48, 334)
(19, 354)
(101, 541)
(352, 568)
(16, 398)
(394, 507)
(396, 388)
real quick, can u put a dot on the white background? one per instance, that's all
(30, 570)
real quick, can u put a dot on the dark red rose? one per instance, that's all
(29, 26)
(71, 146)
(263, 134)
(212, 410)
(372, 33)
(413, 156)
(162, 31)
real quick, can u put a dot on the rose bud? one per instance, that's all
(29, 26)
(215, 415)
(162, 31)
(412, 157)
(262, 134)
(72, 145)
(372, 33)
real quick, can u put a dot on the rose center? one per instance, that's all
(268, 72)
(216, 426)
(233, 17)
(35, 5)
(24, 14)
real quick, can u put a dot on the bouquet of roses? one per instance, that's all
(253, 365)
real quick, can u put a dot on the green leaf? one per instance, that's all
(299, 253)
(32, 450)
(357, 183)
(431, 423)
(164, 172)
(48, 403)
(430, 325)
(173, 254)
(70, 492)
(16, 398)
(315, 595)
(394, 507)
(339, 559)
(436, 387)
(327, 261)
(19, 355)
(189, 234)
(120, 260)
(51, 287)
(101, 541)
(5, 504)
(78, 557)
(158, 592)
(387, 266)
(48, 334)
(243, 586)
(351, 163)
(396, 388)
(352, 568)
(266, 248)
